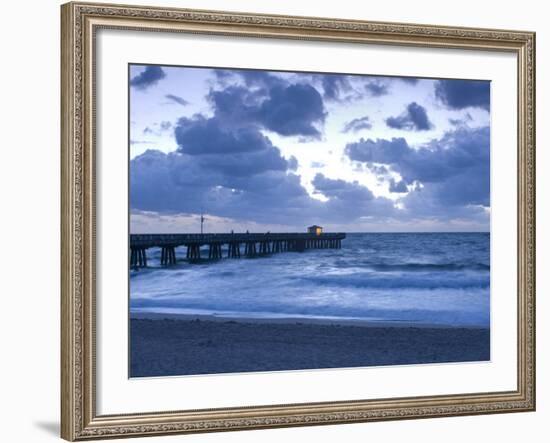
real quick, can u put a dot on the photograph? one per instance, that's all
(283, 221)
(283, 218)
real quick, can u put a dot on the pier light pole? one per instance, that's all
(202, 222)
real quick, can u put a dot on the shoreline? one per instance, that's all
(172, 345)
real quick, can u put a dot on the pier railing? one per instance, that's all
(233, 245)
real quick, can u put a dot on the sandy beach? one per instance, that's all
(163, 345)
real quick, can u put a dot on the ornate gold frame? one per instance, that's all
(79, 420)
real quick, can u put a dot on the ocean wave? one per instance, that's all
(429, 267)
(372, 280)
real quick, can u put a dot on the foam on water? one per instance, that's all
(426, 278)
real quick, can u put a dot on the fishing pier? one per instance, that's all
(231, 246)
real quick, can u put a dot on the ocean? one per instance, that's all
(420, 278)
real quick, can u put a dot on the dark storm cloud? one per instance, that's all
(335, 87)
(149, 77)
(414, 118)
(289, 110)
(181, 183)
(238, 151)
(331, 87)
(234, 105)
(425, 203)
(464, 178)
(350, 200)
(357, 124)
(461, 121)
(158, 128)
(376, 88)
(292, 163)
(380, 171)
(399, 187)
(460, 94)
(454, 170)
(176, 99)
(222, 75)
(244, 164)
(200, 135)
(251, 78)
(260, 78)
(341, 189)
(378, 151)
(409, 80)
(351, 87)
(293, 110)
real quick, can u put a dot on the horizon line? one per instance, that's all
(327, 232)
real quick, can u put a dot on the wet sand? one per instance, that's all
(163, 345)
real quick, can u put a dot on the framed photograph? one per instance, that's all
(283, 221)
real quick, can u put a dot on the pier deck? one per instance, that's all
(254, 244)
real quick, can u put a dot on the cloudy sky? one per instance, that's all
(279, 151)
